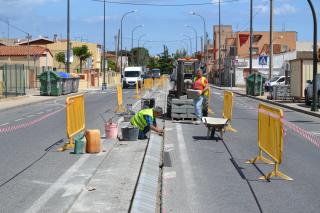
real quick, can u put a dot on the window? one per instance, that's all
(281, 80)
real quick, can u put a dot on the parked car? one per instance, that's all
(156, 73)
(276, 80)
(308, 91)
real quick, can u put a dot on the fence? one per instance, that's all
(16, 79)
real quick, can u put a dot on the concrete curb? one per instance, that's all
(147, 192)
(274, 103)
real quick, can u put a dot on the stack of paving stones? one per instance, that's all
(182, 108)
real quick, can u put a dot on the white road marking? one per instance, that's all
(39, 113)
(169, 175)
(58, 185)
(168, 147)
(19, 119)
(4, 124)
(185, 164)
(30, 116)
(315, 133)
(216, 93)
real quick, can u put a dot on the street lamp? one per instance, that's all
(124, 15)
(190, 41)
(204, 33)
(104, 85)
(68, 36)
(195, 31)
(315, 61)
(136, 27)
(140, 39)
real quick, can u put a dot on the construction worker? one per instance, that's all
(145, 120)
(200, 83)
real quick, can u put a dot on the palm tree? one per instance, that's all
(82, 53)
(60, 58)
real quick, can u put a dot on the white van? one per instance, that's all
(131, 75)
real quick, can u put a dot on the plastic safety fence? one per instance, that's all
(227, 109)
(120, 107)
(75, 117)
(148, 84)
(270, 139)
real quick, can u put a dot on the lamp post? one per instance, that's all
(190, 41)
(104, 85)
(315, 61)
(220, 74)
(136, 27)
(68, 36)
(195, 31)
(271, 40)
(204, 34)
(140, 39)
(124, 15)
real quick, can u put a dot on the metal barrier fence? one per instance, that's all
(227, 109)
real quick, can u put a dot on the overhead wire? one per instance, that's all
(166, 5)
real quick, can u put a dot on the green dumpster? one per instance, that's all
(255, 84)
(55, 83)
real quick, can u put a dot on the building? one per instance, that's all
(234, 54)
(27, 55)
(57, 46)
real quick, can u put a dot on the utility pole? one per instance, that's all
(271, 40)
(68, 37)
(104, 85)
(251, 36)
(314, 106)
(117, 49)
(220, 74)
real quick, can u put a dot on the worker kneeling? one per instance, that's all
(145, 120)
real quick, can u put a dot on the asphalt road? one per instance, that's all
(29, 160)
(202, 175)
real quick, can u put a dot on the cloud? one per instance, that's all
(285, 9)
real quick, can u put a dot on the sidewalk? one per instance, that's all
(296, 106)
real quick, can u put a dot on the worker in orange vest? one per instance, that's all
(200, 83)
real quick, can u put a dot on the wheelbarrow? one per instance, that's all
(215, 125)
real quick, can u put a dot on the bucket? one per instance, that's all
(129, 133)
(111, 130)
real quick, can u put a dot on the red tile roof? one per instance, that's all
(22, 50)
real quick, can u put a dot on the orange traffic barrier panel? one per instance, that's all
(270, 139)
(75, 118)
(227, 109)
(120, 107)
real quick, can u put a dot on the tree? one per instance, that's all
(154, 62)
(139, 56)
(182, 53)
(60, 58)
(165, 61)
(111, 65)
(82, 53)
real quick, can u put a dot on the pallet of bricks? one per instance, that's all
(182, 108)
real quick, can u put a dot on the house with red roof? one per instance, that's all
(36, 56)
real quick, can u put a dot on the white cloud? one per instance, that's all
(285, 9)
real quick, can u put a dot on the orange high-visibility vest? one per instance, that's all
(199, 84)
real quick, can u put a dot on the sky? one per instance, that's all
(162, 25)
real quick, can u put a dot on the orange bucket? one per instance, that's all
(111, 130)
